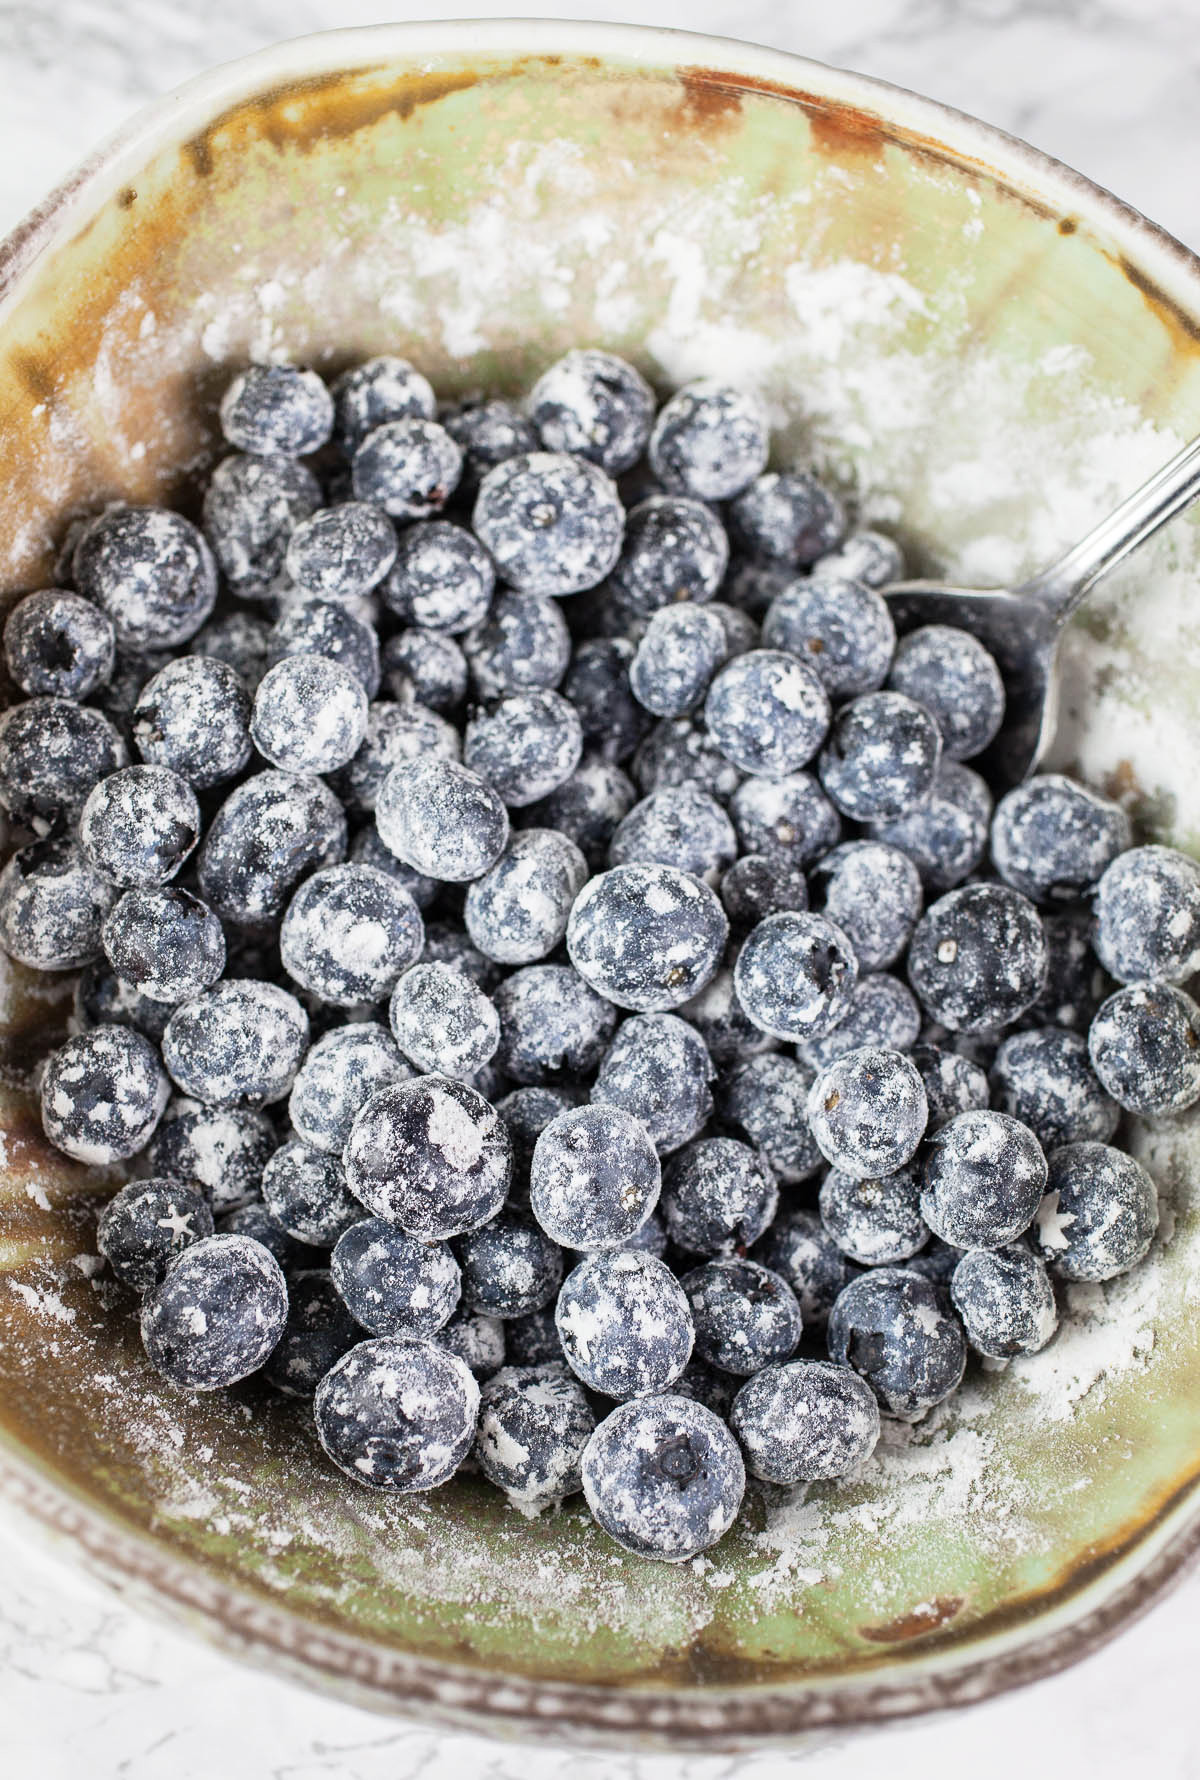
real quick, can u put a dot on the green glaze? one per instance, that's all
(984, 352)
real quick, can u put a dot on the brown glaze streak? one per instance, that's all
(930, 1616)
(301, 113)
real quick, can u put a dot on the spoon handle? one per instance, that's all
(1062, 586)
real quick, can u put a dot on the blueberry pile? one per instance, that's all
(532, 909)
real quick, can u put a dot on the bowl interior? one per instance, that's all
(975, 350)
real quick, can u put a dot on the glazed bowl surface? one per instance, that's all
(985, 351)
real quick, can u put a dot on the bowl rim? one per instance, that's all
(355, 1668)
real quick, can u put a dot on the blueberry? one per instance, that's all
(348, 933)
(255, 1221)
(392, 1284)
(718, 1016)
(1076, 982)
(679, 752)
(305, 1192)
(800, 1249)
(443, 1022)
(595, 405)
(251, 508)
(431, 1156)
(789, 819)
(510, 1268)
(270, 832)
(517, 912)
(1148, 916)
(1005, 1300)
(533, 1340)
(489, 432)
(270, 409)
(239, 1041)
(953, 1084)
(746, 1317)
(750, 586)
(681, 650)
(224, 1149)
(767, 1098)
(139, 825)
(937, 1261)
(865, 556)
(984, 1177)
(767, 712)
(703, 1384)
(946, 837)
(103, 1092)
(338, 1075)
(709, 441)
(341, 552)
(52, 753)
(427, 667)
(1099, 1215)
(1144, 1044)
(310, 625)
(523, 644)
(1052, 839)
(447, 943)
(534, 1422)
(1044, 1079)
(525, 745)
(757, 885)
(151, 571)
(978, 958)
(398, 1414)
(478, 1341)
(680, 826)
(873, 893)
(625, 1324)
(883, 1014)
(395, 733)
(193, 717)
(597, 684)
(443, 578)
(527, 1112)
(551, 1024)
(410, 467)
(57, 644)
(367, 849)
(805, 1421)
(867, 1111)
(795, 975)
(646, 936)
(240, 641)
(881, 759)
(718, 1197)
(310, 714)
(875, 1220)
(318, 1331)
(663, 1477)
(658, 1069)
(553, 523)
(674, 550)
(166, 944)
(594, 1177)
(147, 1224)
(375, 392)
(892, 1327)
(442, 819)
(217, 1315)
(841, 628)
(102, 999)
(53, 906)
(588, 807)
(953, 676)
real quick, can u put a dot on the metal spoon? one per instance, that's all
(1022, 626)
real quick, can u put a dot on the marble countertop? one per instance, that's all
(89, 1686)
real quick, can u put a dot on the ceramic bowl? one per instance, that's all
(985, 350)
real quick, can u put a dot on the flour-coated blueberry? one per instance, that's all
(746, 1317)
(380, 389)
(1147, 912)
(193, 716)
(410, 467)
(148, 1223)
(348, 933)
(663, 1476)
(767, 712)
(517, 911)
(552, 522)
(894, 1328)
(674, 550)
(251, 507)
(984, 1177)
(305, 1192)
(441, 818)
(166, 943)
(391, 1283)
(52, 753)
(795, 975)
(867, 1111)
(318, 1331)
(1005, 1299)
(339, 1074)
(534, 1422)
(53, 905)
(709, 441)
(945, 838)
(956, 679)
(978, 957)
(594, 1177)
(658, 1069)
(431, 1156)
(873, 892)
(805, 1421)
(595, 405)
(442, 1021)
(217, 1315)
(1045, 1079)
(1144, 1044)
(800, 1249)
(1100, 1213)
(841, 628)
(238, 1041)
(102, 1094)
(271, 831)
(718, 1197)
(552, 1024)
(646, 936)
(510, 1267)
(225, 1149)
(625, 1324)
(58, 645)
(397, 1413)
(789, 818)
(151, 571)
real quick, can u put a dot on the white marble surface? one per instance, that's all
(88, 1687)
